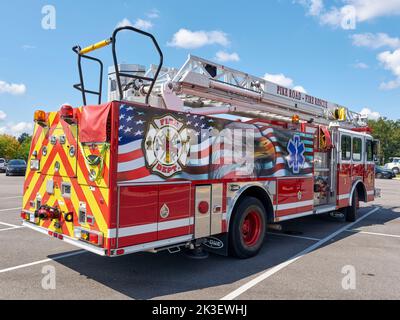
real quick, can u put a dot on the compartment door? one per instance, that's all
(138, 211)
(174, 217)
(288, 191)
(202, 213)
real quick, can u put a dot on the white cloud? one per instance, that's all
(124, 23)
(391, 61)
(280, 79)
(375, 40)
(390, 85)
(139, 24)
(223, 56)
(371, 115)
(143, 24)
(28, 47)
(299, 89)
(360, 10)
(154, 14)
(360, 65)
(314, 7)
(12, 88)
(283, 81)
(16, 129)
(370, 9)
(3, 115)
(187, 39)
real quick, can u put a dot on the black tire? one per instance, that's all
(351, 212)
(7, 174)
(248, 209)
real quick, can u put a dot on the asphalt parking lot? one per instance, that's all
(315, 257)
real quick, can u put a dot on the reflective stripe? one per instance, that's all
(343, 196)
(371, 193)
(295, 205)
(151, 227)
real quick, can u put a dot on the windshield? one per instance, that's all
(17, 163)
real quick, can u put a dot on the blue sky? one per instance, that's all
(299, 43)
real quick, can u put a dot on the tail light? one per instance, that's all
(93, 237)
(119, 252)
(25, 215)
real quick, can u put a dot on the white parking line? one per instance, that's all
(12, 228)
(374, 233)
(9, 225)
(10, 209)
(292, 236)
(16, 197)
(272, 271)
(43, 261)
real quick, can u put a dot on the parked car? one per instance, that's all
(2, 165)
(382, 173)
(394, 165)
(16, 167)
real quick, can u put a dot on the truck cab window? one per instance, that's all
(346, 147)
(375, 149)
(357, 149)
(370, 150)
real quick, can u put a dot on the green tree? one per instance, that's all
(23, 137)
(9, 147)
(24, 148)
(388, 132)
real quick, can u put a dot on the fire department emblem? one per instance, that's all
(167, 146)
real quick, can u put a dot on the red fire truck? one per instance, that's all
(201, 157)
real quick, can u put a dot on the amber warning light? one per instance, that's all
(40, 117)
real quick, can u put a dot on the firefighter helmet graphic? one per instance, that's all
(167, 146)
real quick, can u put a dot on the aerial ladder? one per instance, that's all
(205, 87)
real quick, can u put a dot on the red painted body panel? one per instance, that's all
(177, 198)
(344, 183)
(291, 191)
(138, 206)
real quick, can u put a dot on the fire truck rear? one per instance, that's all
(204, 157)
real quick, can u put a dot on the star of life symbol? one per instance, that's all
(296, 159)
(167, 146)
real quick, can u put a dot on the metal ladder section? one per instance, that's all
(203, 86)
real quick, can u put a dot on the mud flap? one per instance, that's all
(217, 244)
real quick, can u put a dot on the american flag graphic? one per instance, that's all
(210, 156)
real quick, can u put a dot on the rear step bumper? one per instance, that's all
(77, 243)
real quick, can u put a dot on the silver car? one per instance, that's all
(2, 165)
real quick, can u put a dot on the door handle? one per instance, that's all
(217, 209)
